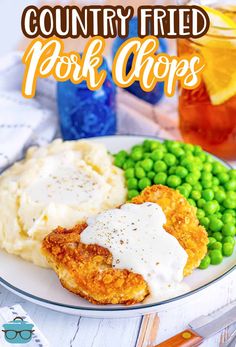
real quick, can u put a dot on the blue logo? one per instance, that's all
(18, 331)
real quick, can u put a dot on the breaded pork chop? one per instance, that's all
(181, 222)
(87, 270)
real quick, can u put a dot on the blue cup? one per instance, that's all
(86, 113)
(157, 93)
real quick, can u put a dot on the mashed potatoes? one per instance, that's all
(58, 185)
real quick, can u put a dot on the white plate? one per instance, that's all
(42, 286)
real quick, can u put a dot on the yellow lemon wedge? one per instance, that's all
(218, 47)
(219, 19)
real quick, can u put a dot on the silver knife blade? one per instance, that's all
(211, 324)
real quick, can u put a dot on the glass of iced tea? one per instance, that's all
(208, 113)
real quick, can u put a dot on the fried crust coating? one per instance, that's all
(182, 222)
(87, 270)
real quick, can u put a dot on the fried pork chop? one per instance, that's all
(181, 222)
(87, 270)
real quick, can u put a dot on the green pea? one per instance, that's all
(220, 196)
(197, 173)
(231, 185)
(228, 239)
(211, 240)
(197, 186)
(154, 145)
(137, 147)
(215, 181)
(232, 173)
(206, 176)
(122, 154)
(160, 178)
(218, 236)
(227, 249)
(202, 156)
(228, 230)
(207, 167)
(146, 144)
(205, 262)
(211, 207)
(147, 164)
(183, 191)
(206, 184)
(223, 177)
(217, 245)
(173, 181)
(160, 166)
(201, 203)
(185, 161)
(209, 159)
(139, 172)
(162, 147)
(216, 225)
(191, 179)
(129, 173)
(233, 212)
(132, 183)
(207, 194)
(157, 155)
(181, 171)
(132, 194)
(214, 188)
(215, 256)
(189, 147)
(218, 215)
(137, 154)
(192, 202)
(144, 182)
(231, 204)
(172, 170)
(227, 218)
(146, 156)
(195, 195)
(178, 152)
(151, 175)
(119, 161)
(169, 159)
(204, 221)
(192, 166)
(200, 213)
(217, 168)
(231, 195)
(169, 143)
(197, 150)
(129, 163)
(187, 186)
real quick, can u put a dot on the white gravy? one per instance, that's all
(135, 236)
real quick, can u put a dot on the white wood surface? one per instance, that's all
(71, 331)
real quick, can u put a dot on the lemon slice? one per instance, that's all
(218, 48)
(219, 19)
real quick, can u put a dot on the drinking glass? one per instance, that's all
(207, 114)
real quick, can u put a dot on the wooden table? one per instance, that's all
(64, 330)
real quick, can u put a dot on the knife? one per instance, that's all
(203, 327)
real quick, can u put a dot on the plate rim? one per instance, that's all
(116, 309)
(123, 308)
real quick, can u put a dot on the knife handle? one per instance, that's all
(186, 338)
